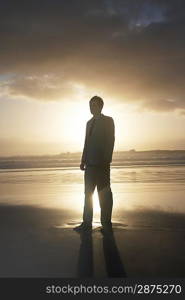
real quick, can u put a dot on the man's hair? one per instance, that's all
(98, 100)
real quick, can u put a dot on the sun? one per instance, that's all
(74, 121)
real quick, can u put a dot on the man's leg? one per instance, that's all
(105, 195)
(90, 184)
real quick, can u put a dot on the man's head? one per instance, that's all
(96, 105)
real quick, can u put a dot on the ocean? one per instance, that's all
(136, 186)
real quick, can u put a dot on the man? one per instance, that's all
(95, 161)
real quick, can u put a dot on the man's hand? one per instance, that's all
(82, 166)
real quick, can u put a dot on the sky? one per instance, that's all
(55, 55)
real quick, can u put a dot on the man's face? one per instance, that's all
(94, 108)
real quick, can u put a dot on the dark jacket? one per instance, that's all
(99, 145)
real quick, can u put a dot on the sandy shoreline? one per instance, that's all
(39, 242)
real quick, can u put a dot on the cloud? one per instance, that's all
(47, 87)
(129, 50)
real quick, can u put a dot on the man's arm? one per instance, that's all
(110, 139)
(83, 158)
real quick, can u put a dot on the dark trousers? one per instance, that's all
(99, 177)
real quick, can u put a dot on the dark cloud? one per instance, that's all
(132, 50)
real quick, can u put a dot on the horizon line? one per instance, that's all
(80, 152)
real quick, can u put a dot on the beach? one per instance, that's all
(40, 207)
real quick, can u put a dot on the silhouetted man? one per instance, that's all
(96, 159)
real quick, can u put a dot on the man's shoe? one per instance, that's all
(107, 229)
(83, 227)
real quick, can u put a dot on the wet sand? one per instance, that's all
(41, 242)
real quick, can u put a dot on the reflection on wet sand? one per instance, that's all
(113, 264)
(40, 242)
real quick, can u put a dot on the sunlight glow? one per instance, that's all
(59, 126)
(96, 206)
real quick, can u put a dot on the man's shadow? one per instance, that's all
(113, 264)
(85, 258)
